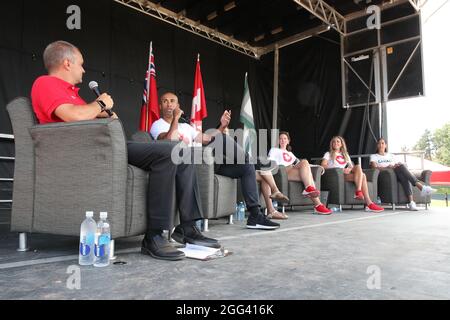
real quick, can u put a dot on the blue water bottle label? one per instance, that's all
(85, 249)
(104, 239)
(99, 250)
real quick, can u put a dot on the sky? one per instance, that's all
(408, 119)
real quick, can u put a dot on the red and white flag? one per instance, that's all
(198, 112)
(150, 106)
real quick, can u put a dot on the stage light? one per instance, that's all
(229, 6)
(212, 16)
(277, 30)
(260, 37)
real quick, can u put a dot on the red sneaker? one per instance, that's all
(321, 209)
(374, 208)
(311, 192)
(359, 195)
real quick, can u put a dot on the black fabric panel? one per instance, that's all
(310, 95)
(45, 21)
(232, 69)
(11, 23)
(310, 101)
(260, 82)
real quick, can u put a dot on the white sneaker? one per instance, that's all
(412, 206)
(427, 190)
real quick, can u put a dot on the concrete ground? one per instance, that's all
(348, 255)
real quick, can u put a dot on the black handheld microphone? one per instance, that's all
(183, 119)
(94, 87)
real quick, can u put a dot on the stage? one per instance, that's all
(349, 255)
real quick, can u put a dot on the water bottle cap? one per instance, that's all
(103, 215)
(89, 214)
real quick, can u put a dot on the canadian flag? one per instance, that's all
(199, 111)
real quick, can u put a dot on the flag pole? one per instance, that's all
(147, 112)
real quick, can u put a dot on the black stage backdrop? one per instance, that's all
(115, 42)
(310, 100)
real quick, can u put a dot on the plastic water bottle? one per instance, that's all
(335, 209)
(102, 241)
(236, 213)
(378, 200)
(241, 212)
(199, 224)
(87, 238)
(275, 204)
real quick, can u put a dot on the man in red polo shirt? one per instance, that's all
(55, 99)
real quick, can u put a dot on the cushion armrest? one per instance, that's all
(317, 172)
(332, 178)
(372, 174)
(333, 181)
(387, 186)
(79, 163)
(203, 160)
(426, 176)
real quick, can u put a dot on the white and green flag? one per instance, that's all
(249, 141)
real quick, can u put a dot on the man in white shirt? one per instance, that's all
(169, 128)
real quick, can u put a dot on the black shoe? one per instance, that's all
(192, 235)
(260, 221)
(160, 248)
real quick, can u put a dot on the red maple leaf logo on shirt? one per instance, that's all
(340, 159)
(287, 157)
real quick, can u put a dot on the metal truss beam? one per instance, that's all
(326, 13)
(383, 6)
(418, 4)
(294, 39)
(180, 21)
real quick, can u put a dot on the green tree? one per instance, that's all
(442, 143)
(426, 143)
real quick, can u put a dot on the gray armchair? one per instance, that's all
(63, 170)
(342, 192)
(294, 189)
(392, 192)
(218, 193)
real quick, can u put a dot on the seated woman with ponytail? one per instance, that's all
(297, 170)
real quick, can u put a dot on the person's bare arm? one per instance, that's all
(373, 165)
(324, 163)
(73, 113)
(224, 123)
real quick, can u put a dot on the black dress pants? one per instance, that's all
(232, 169)
(166, 182)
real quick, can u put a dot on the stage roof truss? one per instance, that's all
(418, 4)
(329, 16)
(326, 13)
(180, 21)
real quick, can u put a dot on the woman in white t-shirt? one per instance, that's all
(297, 170)
(270, 191)
(383, 160)
(338, 157)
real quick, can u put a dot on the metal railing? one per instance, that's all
(405, 154)
(2, 158)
